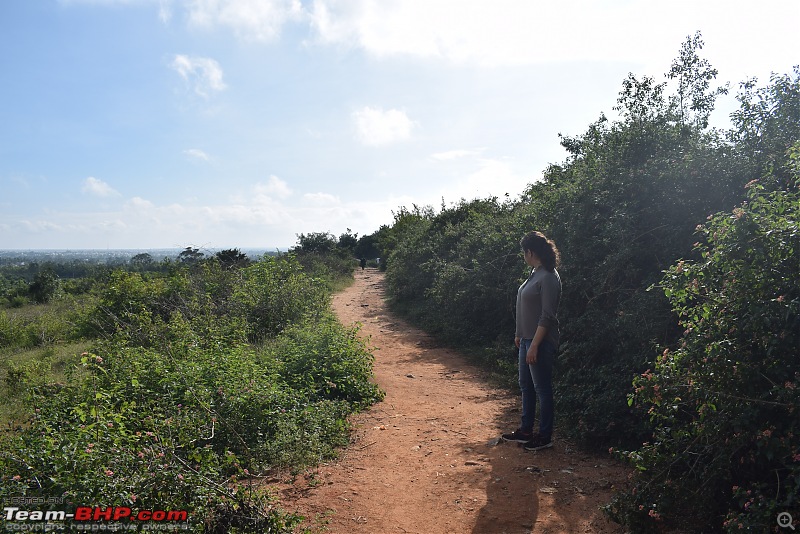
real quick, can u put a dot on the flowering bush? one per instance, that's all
(724, 402)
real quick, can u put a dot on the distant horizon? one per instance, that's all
(131, 249)
(97, 254)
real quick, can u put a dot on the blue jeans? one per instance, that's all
(536, 384)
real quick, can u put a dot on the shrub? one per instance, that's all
(724, 400)
(174, 409)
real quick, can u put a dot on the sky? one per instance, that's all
(243, 123)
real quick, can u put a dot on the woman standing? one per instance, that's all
(537, 338)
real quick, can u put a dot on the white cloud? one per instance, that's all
(454, 154)
(139, 204)
(257, 20)
(275, 187)
(376, 127)
(164, 11)
(197, 154)
(501, 32)
(98, 188)
(493, 178)
(321, 199)
(522, 32)
(202, 73)
(251, 221)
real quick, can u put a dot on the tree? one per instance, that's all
(367, 247)
(45, 286)
(232, 258)
(190, 256)
(142, 260)
(693, 100)
(348, 241)
(766, 124)
(315, 242)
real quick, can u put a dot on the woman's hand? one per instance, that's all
(516, 341)
(532, 355)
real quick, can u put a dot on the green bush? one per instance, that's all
(724, 401)
(174, 408)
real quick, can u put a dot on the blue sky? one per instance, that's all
(241, 123)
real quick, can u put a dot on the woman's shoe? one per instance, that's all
(538, 443)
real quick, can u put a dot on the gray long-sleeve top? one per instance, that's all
(537, 305)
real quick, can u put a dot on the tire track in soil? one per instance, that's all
(426, 460)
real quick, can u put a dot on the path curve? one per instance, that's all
(426, 460)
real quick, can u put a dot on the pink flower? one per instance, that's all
(16, 477)
(109, 473)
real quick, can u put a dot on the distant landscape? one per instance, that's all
(109, 256)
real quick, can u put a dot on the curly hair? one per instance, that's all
(545, 249)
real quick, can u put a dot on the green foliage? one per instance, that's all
(142, 260)
(45, 287)
(190, 256)
(767, 124)
(199, 378)
(367, 247)
(324, 257)
(274, 293)
(257, 301)
(724, 401)
(315, 242)
(347, 242)
(454, 271)
(693, 101)
(232, 258)
(41, 325)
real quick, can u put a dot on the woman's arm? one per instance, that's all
(533, 351)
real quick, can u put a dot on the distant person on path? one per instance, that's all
(363, 263)
(537, 339)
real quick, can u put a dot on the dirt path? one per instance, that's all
(427, 460)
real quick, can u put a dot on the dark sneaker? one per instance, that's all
(518, 435)
(538, 443)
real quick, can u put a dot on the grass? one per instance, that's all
(37, 347)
